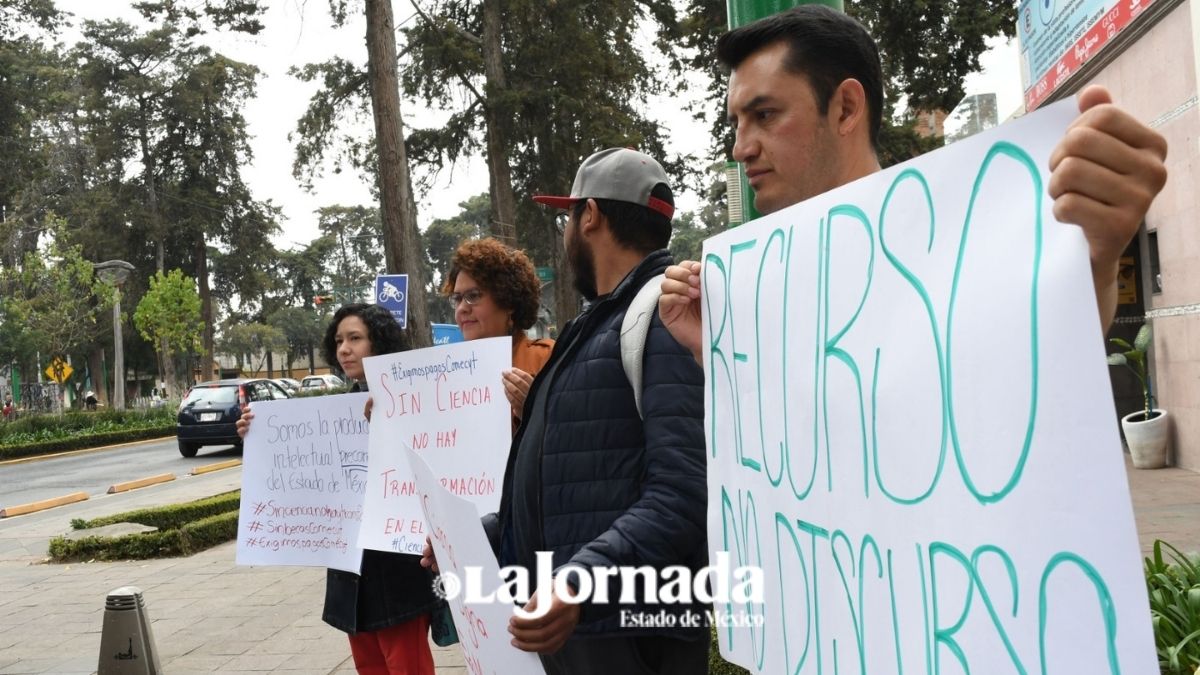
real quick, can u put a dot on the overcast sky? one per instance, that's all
(298, 32)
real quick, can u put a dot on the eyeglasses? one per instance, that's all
(472, 297)
(561, 219)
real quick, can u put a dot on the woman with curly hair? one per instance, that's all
(494, 291)
(385, 608)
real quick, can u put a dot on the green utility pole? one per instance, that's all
(742, 12)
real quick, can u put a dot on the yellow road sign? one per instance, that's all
(59, 370)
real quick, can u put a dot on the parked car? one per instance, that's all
(210, 411)
(290, 385)
(314, 382)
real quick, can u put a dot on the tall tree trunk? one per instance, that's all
(148, 169)
(206, 310)
(566, 299)
(96, 369)
(504, 203)
(401, 238)
(167, 372)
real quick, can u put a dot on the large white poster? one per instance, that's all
(910, 427)
(446, 403)
(303, 481)
(459, 542)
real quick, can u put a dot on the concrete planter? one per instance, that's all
(1147, 439)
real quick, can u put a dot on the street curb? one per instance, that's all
(22, 509)
(82, 451)
(209, 468)
(140, 482)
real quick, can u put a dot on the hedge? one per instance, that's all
(716, 664)
(169, 517)
(191, 538)
(27, 428)
(84, 441)
(184, 529)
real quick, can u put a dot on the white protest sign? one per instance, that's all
(447, 403)
(303, 482)
(459, 541)
(911, 429)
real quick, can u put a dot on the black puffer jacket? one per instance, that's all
(614, 489)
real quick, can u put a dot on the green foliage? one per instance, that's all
(1173, 583)
(926, 54)
(32, 435)
(718, 665)
(192, 537)
(55, 296)
(243, 16)
(691, 228)
(84, 422)
(183, 529)
(169, 312)
(441, 238)
(82, 441)
(302, 327)
(325, 391)
(1134, 358)
(250, 342)
(356, 233)
(169, 517)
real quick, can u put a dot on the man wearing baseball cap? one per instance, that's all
(590, 480)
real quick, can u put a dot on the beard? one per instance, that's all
(582, 260)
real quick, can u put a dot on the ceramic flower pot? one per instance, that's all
(1147, 439)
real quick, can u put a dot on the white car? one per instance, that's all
(292, 386)
(313, 382)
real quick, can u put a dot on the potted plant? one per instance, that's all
(1146, 431)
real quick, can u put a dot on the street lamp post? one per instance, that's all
(116, 272)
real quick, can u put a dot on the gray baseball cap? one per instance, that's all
(620, 174)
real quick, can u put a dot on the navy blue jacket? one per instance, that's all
(614, 489)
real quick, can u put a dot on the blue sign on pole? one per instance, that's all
(446, 333)
(391, 292)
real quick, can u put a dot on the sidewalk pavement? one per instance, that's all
(211, 616)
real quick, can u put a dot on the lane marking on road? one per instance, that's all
(22, 509)
(140, 483)
(209, 468)
(83, 451)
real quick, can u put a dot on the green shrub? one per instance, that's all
(183, 529)
(31, 428)
(191, 538)
(84, 440)
(309, 393)
(1174, 587)
(169, 517)
(716, 664)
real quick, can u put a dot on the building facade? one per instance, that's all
(1147, 53)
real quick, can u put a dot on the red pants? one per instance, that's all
(398, 650)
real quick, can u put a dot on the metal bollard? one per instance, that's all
(126, 642)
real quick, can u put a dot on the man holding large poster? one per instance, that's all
(916, 504)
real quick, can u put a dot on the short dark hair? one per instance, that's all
(384, 333)
(635, 226)
(503, 272)
(825, 46)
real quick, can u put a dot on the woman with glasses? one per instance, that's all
(385, 608)
(495, 292)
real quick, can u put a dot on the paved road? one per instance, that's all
(24, 538)
(94, 472)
